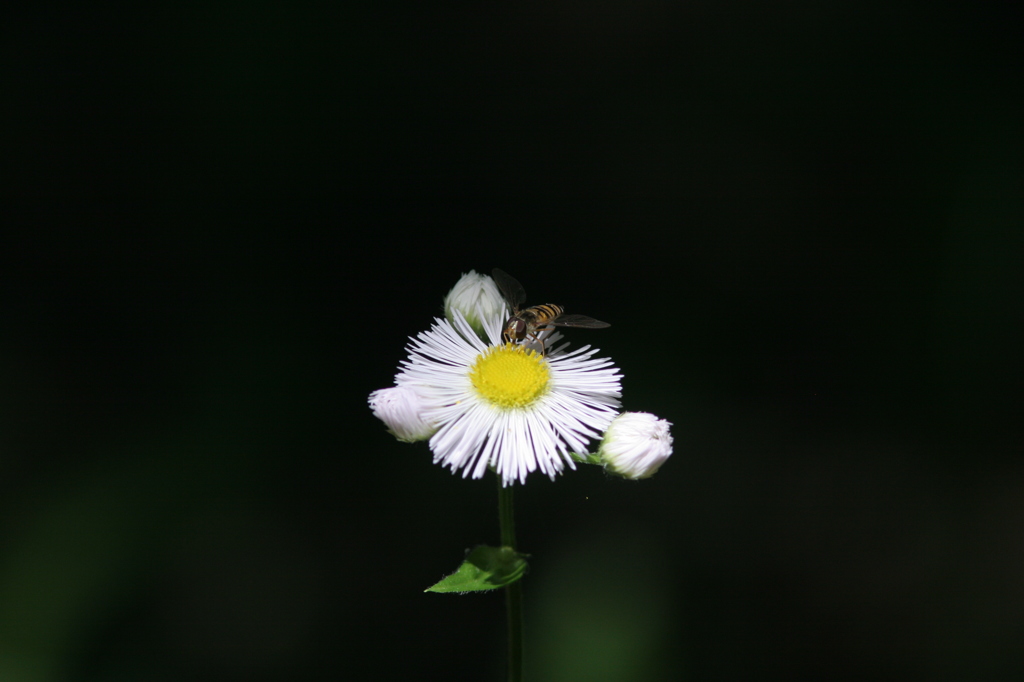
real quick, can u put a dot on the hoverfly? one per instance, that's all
(530, 322)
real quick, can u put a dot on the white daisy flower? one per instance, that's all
(477, 297)
(505, 405)
(636, 445)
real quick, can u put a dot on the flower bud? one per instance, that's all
(477, 297)
(635, 445)
(400, 408)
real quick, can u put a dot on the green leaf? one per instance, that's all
(485, 568)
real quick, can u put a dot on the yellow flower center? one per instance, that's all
(510, 376)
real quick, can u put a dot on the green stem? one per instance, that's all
(513, 592)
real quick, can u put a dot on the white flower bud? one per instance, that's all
(635, 445)
(477, 297)
(400, 408)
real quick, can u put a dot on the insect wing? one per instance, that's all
(581, 321)
(510, 288)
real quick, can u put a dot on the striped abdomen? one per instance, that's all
(540, 315)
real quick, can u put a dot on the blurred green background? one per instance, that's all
(804, 223)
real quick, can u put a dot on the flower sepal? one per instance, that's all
(587, 458)
(485, 568)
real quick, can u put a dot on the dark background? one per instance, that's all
(803, 220)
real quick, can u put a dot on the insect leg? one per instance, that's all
(536, 333)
